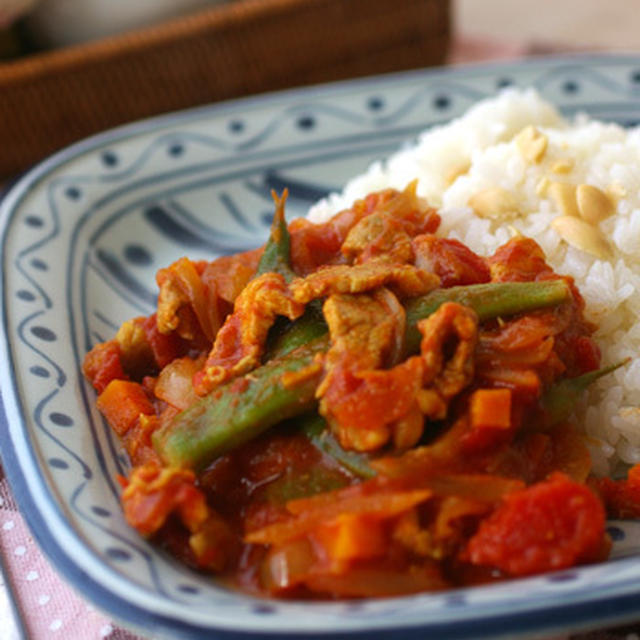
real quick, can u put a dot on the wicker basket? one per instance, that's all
(51, 99)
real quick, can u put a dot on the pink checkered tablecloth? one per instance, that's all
(48, 607)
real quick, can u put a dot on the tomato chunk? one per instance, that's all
(622, 497)
(448, 258)
(165, 348)
(551, 525)
(102, 365)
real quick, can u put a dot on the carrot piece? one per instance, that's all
(351, 537)
(121, 403)
(490, 409)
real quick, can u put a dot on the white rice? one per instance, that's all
(604, 155)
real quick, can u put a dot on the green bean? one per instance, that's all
(286, 336)
(491, 300)
(560, 400)
(239, 411)
(315, 429)
(276, 254)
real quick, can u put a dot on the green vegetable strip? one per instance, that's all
(243, 408)
(491, 300)
(238, 411)
(315, 428)
(560, 400)
(287, 336)
(295, 334)
(276, 254)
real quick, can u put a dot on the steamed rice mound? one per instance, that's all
(480, 151)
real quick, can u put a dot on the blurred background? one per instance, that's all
(501, 27)
(129, 60)
(576, 24)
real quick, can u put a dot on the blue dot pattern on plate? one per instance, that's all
(616, 533)
(25, 295)
(34, 221)
(263, 609)
(306, 122)
(44, 333)
(176, 149)
(61, 419)
(137, 254)
(39, 371)
(39, 264)
(57, 463)
(115, 553)
(188, 588)
(375, 103)
(564, 576)
(109, 159)
(442, 102)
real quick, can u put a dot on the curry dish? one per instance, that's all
(361, 408)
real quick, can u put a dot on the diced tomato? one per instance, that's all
(165, 347)
(153, 493)
(315, 244)
(587, 354)
(621, 497)
(454, 262)
(519, 260)
(550, 525)
(102, 365)
(137, 440)
(524, 333)
(371, 399)
(227, 276)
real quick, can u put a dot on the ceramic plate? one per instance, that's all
(82, 236)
